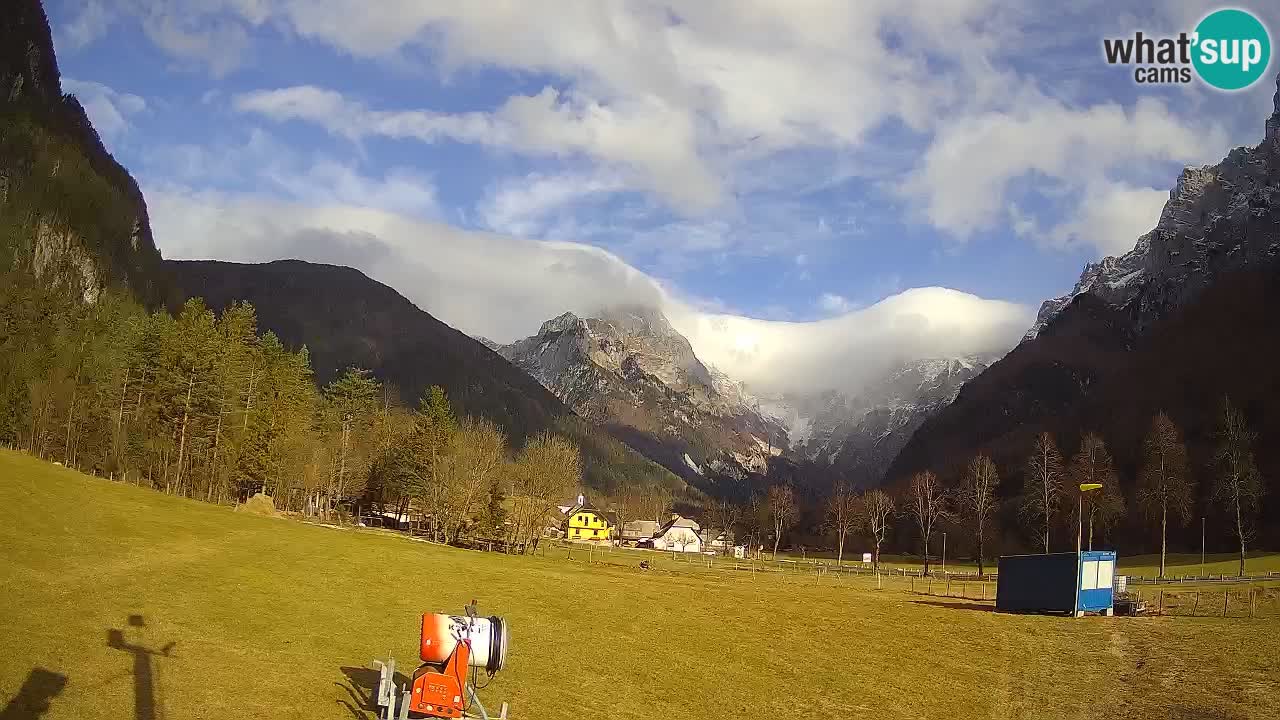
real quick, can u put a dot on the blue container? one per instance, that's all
(1069, 583)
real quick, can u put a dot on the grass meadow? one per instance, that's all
(255, 617)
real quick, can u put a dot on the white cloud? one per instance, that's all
(483, 283)
(108, 109)
(855, 347)
(87, 26)
(218, 43)
(966, 175)
(1111, 217)
(693, 101)
(275, 170)
(644, 137)
(528, 205)
(833, 304)
(504, 287)
(673, 95)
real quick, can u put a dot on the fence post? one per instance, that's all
(913, 583)
(1226, 598)
(1196, 604)
(1250, 602)
(1160, 608)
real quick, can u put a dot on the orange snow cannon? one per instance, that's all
(453, 649)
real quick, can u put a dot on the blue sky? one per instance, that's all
(786, 162)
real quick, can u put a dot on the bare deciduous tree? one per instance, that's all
(1044, 487)
(479, 449)
(547, 469)
(1092, 464)
(782, 511)
(842, 516)
(628, 504)
(928, 507)
(978, 498)
(1237, 485)
(1163, 483)
(876, 509)
(722, 515)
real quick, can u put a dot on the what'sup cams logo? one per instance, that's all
(1229, 50)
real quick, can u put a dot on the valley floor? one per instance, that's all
(270, 618)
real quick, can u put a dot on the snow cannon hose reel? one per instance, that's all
(454, 650)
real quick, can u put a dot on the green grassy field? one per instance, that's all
(271, 618)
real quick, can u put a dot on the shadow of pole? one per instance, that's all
(144, 688)
(32, 700)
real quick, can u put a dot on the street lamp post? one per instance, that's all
(1084, 488)
(944, 554)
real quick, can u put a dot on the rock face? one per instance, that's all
(1184, 319)
(1218, 218)
(860, 435)
(629, 370)
(87, 222)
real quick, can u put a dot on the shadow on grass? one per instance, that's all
(362, 687)
(961, 605)
(33, 698)
(144, 685)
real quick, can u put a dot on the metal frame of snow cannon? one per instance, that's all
(395, 703)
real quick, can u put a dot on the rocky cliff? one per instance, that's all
(1219, 218)
(73, 214)
(629, 370)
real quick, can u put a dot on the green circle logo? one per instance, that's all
(1232, 49)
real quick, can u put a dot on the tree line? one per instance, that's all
(205, 406)
(1085, 494)
(1050, 499)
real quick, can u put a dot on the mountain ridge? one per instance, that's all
(1174, 325)
(346, 319)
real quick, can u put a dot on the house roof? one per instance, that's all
(609, 517)
(640, 529)
(679, 521)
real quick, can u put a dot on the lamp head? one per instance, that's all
(1086, 487)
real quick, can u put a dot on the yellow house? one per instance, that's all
(584, 523)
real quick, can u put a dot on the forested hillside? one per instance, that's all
(345, 319)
